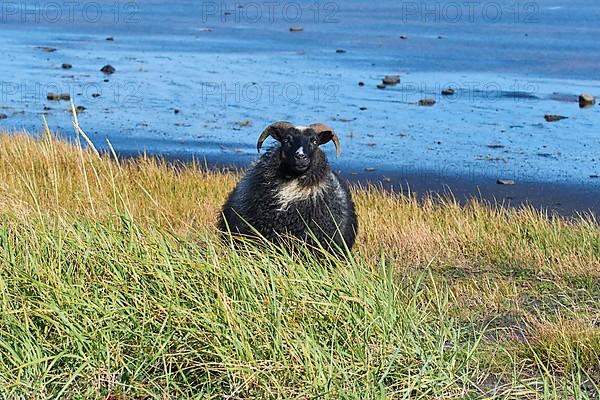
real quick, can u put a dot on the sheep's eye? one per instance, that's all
(315, 142)
(287, 140)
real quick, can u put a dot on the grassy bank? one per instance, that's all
(113, 283)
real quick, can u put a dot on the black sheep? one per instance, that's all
(292, 191)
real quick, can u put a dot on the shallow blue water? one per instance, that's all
(230, 75)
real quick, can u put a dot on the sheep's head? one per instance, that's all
(299, 143)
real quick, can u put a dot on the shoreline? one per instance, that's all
(182, 86)
(561, 198)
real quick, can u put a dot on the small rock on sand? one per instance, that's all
(3, 116)
(553, 118)
(95, 95)
(296, 29)
(67, 66)
(448, 92)
(361, 83)
(391, 80)
(342, 119)
(244, 123)
(370, 169)
(594, 176)
(108, 69)
(426, 102)
(381, 86)
(340, 51)
(80, 109)
(586, 100)
(505, 182)
(110, 39)
(545, 155)
(403, 37)
(57, 97)
(47, 49)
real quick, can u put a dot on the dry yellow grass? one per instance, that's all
(533, 278)
(52, 177)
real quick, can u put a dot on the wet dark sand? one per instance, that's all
(564, 199)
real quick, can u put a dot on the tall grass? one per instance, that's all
(114, 284)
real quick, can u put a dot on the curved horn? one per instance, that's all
(327, 133)
(272, 130)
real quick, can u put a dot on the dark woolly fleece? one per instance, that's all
(254, 200)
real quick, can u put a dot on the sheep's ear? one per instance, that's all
(274, 130)
(326, 134)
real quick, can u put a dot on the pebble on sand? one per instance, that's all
(505, 182)
(3, 116)
(553, 118)
(57, 97)
(448, 92)
(361, 83)
(391, 80)
(244, 123)
(586, 100)
(426, 102)
(403, 37)
(110, 39)
(108, 69)
(380, 86)
(67, 66)
(340, 51)
(296, 29)
(47, 49)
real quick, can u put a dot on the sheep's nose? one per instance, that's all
(300, 155)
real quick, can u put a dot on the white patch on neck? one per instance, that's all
(292, 192)
(301, 128)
